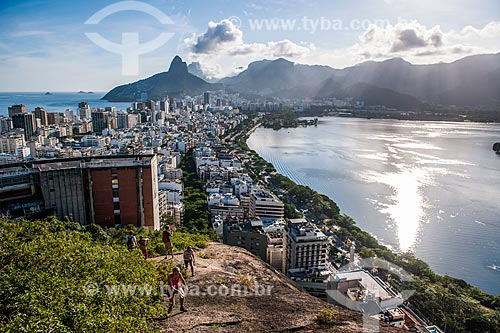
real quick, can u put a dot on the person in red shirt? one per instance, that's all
(175, 282)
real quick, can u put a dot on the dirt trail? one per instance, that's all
(277, 305)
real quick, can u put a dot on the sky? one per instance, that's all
(94, 45)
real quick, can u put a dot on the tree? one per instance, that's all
(367, 253)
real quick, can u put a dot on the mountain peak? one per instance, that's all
(178, 66)
(397, 60)
(283, 60)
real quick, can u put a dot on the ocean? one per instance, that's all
(55, 102)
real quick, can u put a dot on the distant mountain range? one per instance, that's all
(471, 81)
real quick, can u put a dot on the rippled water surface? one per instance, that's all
(432, 188)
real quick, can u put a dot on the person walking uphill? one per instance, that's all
(189, 259)
(175, 280)
(167, 240)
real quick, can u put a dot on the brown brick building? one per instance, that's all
(106, 190)
(124, 191)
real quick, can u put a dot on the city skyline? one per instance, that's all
(42, 39)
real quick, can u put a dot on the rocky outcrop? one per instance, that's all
(177, 82)
(286, 308)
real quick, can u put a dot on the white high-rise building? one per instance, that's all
(305, 246)
(264, 203)
(10, 143)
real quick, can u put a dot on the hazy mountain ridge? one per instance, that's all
(443, 83)
(395, 83)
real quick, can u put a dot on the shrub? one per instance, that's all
(46, 274)
(327, 316)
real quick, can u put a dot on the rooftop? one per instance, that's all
(373, 285)
(303, 231)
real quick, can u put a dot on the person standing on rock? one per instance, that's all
(175, 282)
(189, 259)
(167, 240)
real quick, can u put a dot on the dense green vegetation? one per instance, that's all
(445, 301)
(196, 215)
(49, 268)
(318, 205)
(285, 119)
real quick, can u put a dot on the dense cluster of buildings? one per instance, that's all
(102, 165)
(114, 167)
(247, 214)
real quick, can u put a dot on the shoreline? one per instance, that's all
(389, 248)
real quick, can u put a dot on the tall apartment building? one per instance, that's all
(10, 143)
(122, 120)
(63, 189)
(16, 109)
(99, 121)
(164, 106)
(206, 98)
(41, 114)
(54, 118)
(246, 233)
(264, 203)
(25, 121)
(5, 124)
(84, 110)
(304, 245)
(124, 191)
(133, 120)
(103, 190)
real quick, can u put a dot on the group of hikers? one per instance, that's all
(176, 282)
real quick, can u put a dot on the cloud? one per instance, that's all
(489, 31)
(216, 36)
(223, 43)
(412, 41)
(401, 37)
(284, 48)
(421, 44)
(409, 39)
